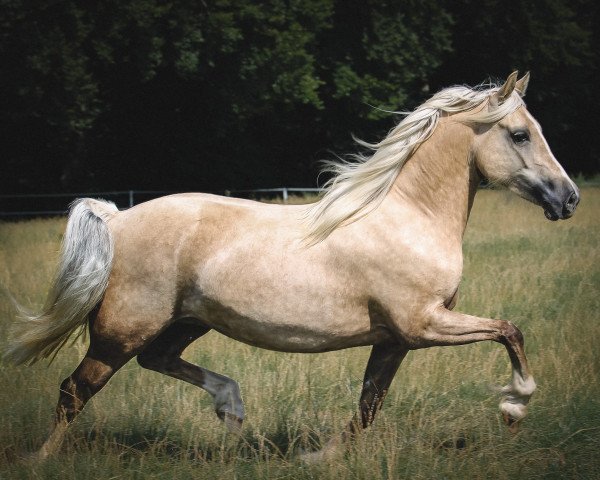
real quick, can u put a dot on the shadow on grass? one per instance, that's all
(138, 442)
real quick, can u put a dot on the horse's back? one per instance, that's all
(157, 237)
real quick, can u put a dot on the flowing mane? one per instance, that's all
(358, 186)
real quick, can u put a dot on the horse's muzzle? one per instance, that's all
(562, 210)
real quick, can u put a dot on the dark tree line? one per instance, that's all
(215, 94)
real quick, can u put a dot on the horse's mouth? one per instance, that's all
(550, 215)
(554, 213)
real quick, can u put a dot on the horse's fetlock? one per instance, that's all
(512, 409)
(228, 401)
(524, 387)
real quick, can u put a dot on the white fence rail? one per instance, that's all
(48, 204)
(284, 191)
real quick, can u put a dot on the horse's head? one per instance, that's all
(513, 152)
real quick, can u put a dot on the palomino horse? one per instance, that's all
(377, 261)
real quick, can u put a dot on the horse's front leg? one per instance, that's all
(382, 366)
(381, 369)
(444, 327)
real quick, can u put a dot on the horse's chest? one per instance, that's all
(423, 267)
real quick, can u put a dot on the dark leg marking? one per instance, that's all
(164, 355)
(381, 369)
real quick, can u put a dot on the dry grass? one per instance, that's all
(440, 420)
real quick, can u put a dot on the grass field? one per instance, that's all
(440, 419)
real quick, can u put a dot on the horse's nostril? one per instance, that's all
(570, 205)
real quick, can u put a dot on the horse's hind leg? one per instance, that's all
(164, 355)
(96, 368)
(113, 342)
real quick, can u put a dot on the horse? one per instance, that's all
(376, 261)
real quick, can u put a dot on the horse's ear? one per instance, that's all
(505, 90)
(521, 85)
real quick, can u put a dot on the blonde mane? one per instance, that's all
(359, 186)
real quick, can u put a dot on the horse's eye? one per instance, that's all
(519, 137)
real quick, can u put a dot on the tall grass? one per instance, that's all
(440, 419)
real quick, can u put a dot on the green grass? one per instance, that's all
(440, 419)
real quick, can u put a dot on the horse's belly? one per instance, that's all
(319, 333)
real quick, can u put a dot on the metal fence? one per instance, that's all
(283, 191)
(48, 204)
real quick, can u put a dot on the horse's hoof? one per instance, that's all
(310, 458)
(232, 422)
(512, 424)
(34, 457)
(326, 454)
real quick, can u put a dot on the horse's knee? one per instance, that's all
(511, 335)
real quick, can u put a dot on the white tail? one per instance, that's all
(80, 282)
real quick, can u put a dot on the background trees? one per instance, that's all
(180, 95)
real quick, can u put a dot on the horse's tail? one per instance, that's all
(80, 282)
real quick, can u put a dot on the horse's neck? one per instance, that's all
(439, 178)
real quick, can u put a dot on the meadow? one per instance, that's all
(440, 419)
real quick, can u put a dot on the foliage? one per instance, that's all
(152, 94)
(554, 39)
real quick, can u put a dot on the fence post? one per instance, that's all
(285, 195)
(130, 198)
